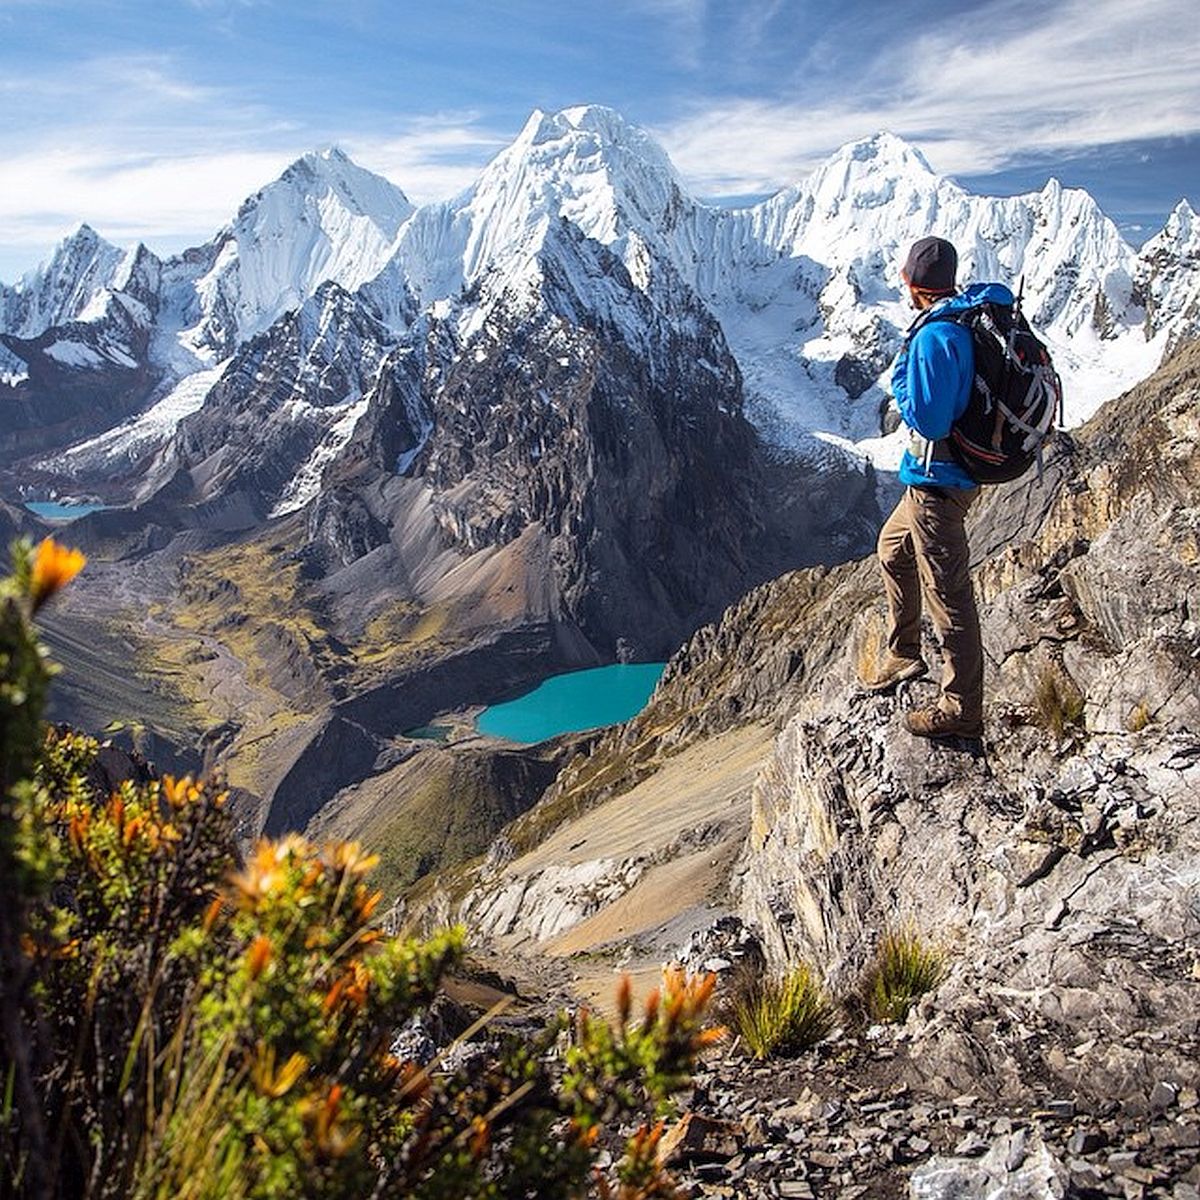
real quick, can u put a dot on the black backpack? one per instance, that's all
(1015, 398)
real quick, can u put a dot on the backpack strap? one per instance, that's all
(1038, 432)
(922, 448)
(927, 451)
(938, 313)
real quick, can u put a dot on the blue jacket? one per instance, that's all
(932, 383)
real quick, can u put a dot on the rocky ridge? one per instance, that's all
(1054, 863)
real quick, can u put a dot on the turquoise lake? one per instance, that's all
(53, 511)
(573, 702)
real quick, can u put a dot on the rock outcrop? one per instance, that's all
(1054, 862)
(1063, 891)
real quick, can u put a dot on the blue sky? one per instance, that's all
(152, 120)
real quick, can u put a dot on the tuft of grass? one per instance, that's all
(1139, 717)
(1059, 703)
(780, 1016)
(905, 967)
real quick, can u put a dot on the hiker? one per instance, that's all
(923, 544)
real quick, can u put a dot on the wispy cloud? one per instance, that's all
(132, 198)
(122, 98)
(147, 154)
(1070, 76)
(131, 145)
(161, 140)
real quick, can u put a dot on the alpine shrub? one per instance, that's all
(176, 1025)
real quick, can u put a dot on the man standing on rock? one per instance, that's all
(923, 545)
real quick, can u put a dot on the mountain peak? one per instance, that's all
(866, 175)
(584, 132)
(1181, 233)
(82, 242)
(79, 272)
(544, 126)
(84, 239)
(319, 173)
(327, 161)
(1182, 218)
(597, 118)
(324, 218)
(332, 164)
(885, 151)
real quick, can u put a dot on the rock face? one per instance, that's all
(1055, 862)
(1014, 1167)
(284, 408)
(1063, 899)
(582, 410)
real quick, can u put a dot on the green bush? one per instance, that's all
(782, 1015)
(174, 1024)
(904, 969)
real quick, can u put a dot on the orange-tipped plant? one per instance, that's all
(54, 566)
(173, 1027)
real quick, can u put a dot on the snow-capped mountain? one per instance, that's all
(324, 220)
(166, 330)
(1169, 281)
(89, 371)
(825, 318)
(101, 299)
(806, 285)
(83, 269)
(857, 214)
(803, 287)
(584, 165)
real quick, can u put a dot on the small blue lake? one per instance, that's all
(51, 510)
(573, 702)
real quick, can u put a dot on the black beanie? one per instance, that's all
(931, 265)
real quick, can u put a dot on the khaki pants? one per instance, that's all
(923, 551)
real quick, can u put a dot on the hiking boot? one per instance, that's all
(937, 723)
(891, 671)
